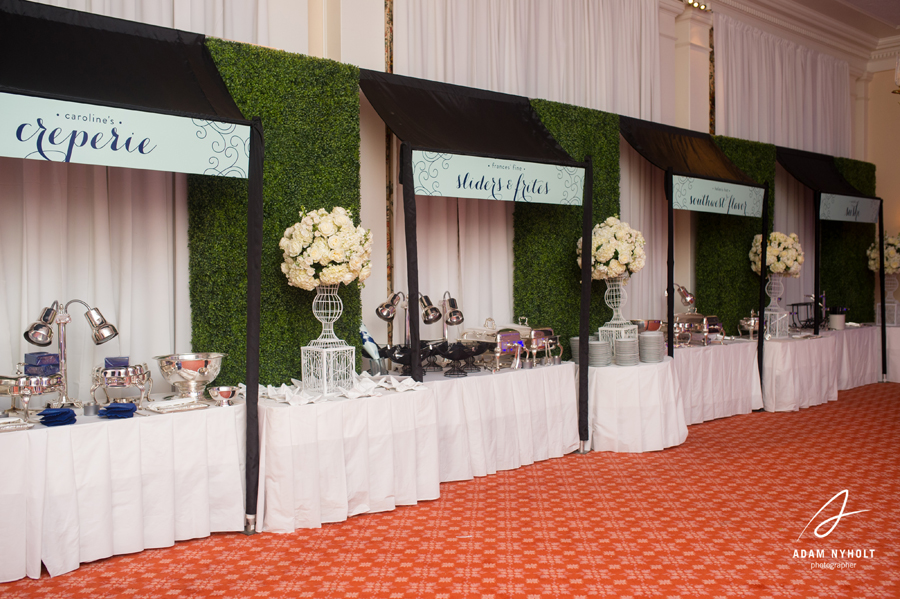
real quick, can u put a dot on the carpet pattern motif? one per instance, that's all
(719, 516)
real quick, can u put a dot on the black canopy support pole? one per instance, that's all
(817, 283)
(254, 303)
(670, 266)
(884, 378)
(763, 276)
(412, 257)
(584, 326)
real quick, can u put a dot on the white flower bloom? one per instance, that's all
(784, 254)
(616, 249)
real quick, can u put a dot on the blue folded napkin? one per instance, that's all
(57, 416)
(41, 358)
(118, 410)
(115, 362)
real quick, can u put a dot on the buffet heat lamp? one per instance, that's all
(430, 313)
(453, 316)
(40, 334)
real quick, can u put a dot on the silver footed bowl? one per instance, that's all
(223, 396)
(190, 373)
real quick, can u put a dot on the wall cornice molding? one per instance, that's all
(805, 26)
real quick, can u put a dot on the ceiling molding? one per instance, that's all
(814, 28)
(885, 56)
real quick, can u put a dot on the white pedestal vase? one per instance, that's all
(328, 362)
(617, 327)
(776, 316)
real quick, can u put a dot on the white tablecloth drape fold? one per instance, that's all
(102, 488)
(328, 461)
(636, 408)
(718, 380)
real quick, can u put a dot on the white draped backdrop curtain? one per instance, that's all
(601, 54)
(771, 90)
(115, 238)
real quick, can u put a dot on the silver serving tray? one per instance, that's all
(187, 407)
(16, 426)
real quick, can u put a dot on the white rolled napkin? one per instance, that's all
(10, 420)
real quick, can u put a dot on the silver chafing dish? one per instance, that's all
(749, 324)
(690, 328)
(26, 386)
(510, 342)
(542, 340)
(136, 375)
(506, 344)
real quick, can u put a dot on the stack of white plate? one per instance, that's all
(653, 346)
(574, 342)
(627, 352)
(600, 354)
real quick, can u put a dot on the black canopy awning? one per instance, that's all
(684, 151)
(439, 117)
(816, 171)
(65, 54)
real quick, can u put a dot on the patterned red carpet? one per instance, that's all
(719, 516)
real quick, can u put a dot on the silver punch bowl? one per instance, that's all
(190, 373)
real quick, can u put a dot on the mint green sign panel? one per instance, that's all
(703, 195)
(61, 131)
(848, 208)
(462, 176)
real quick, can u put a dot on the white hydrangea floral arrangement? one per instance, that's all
(617, 249)
(325, 248)
(784, 255)
(891, 255)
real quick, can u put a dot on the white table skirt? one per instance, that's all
(718, 380)
(893, 353)
(636, 408)
(502, 421)
(98, 488)
(857, 356)
(799, 373)
(328, 461)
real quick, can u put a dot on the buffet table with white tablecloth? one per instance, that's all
(489, 422)
(857, 356)
(636, 408)
(799, 373)
(325, 462)
(99, 488)
(718, 380)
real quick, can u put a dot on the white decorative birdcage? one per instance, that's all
(617, 327)
(326, 369)
(327, 362)
(777, 318)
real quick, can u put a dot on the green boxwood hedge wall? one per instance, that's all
(726, 286)
(310, 114)
(546, 278)
(844, 274)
